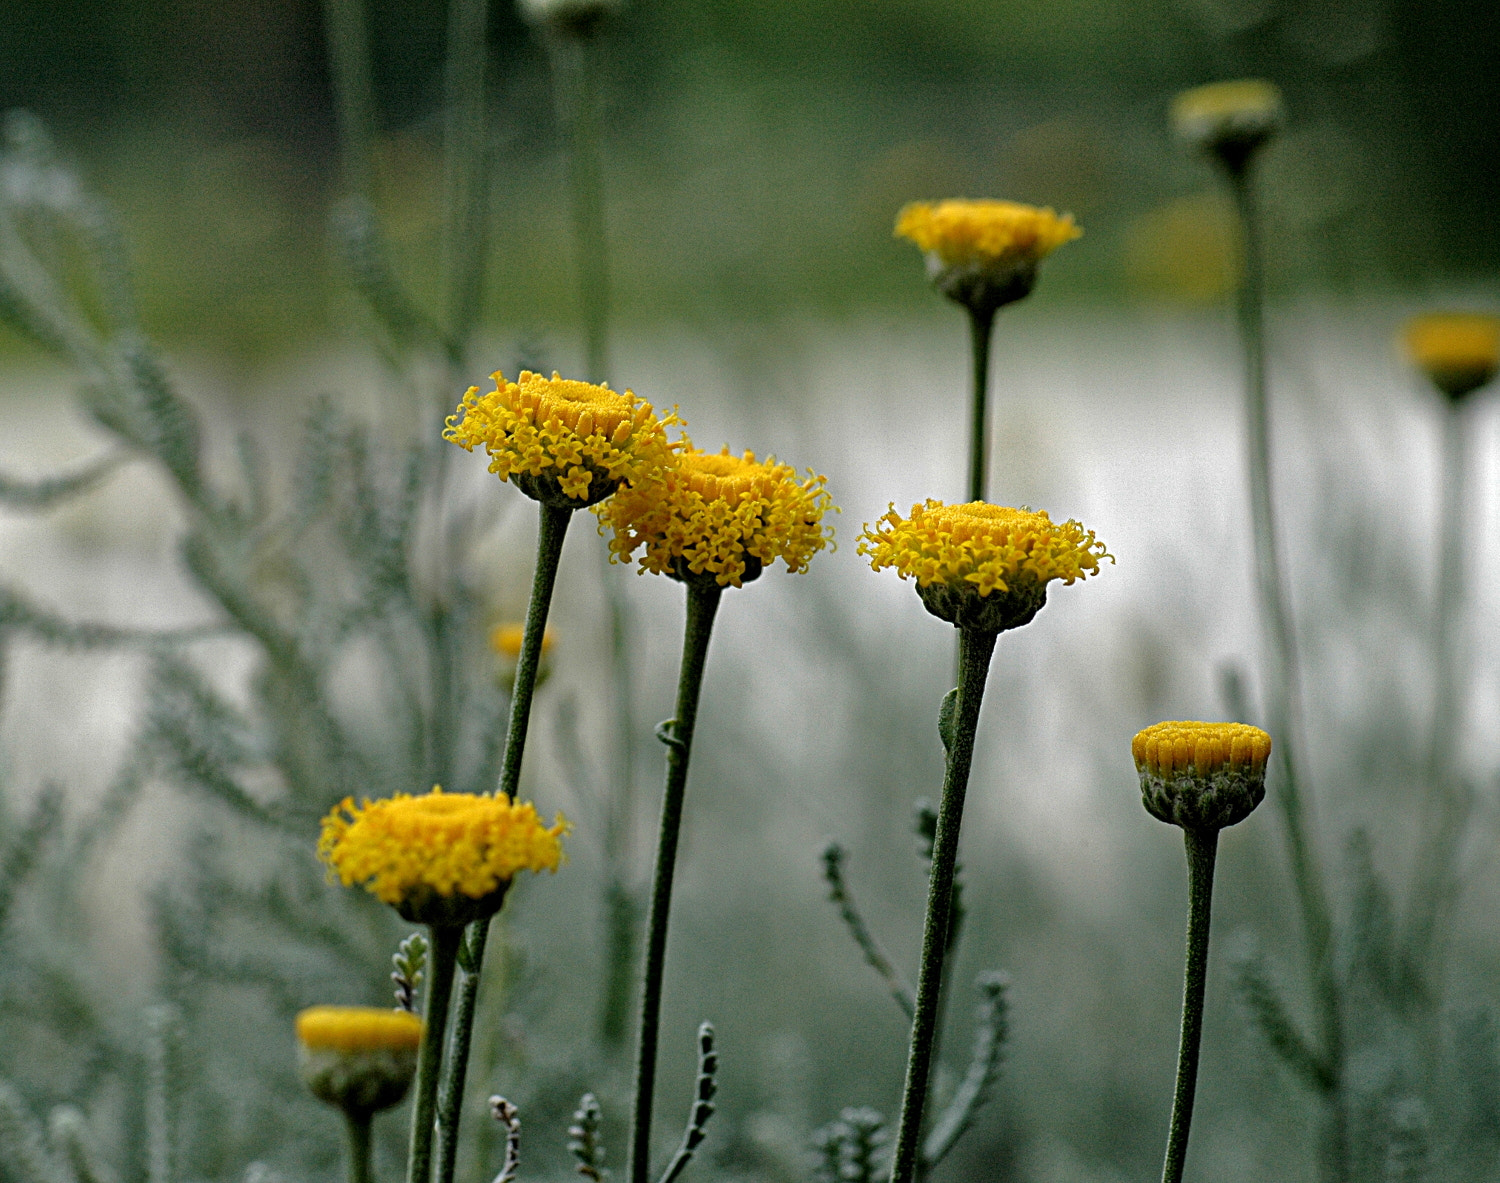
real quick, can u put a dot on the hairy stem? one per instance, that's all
(981, 321)
(1283, 699)
(450, 1103)
(1202, 846)
(444, 956)
(702, 605)
(975, 649)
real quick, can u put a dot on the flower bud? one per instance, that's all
(358, 1058)
(1229, 119)
(1201, 776)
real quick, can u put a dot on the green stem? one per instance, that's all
(1202, 845)
(1447, 814)
(974, 652)
(576, 66)
(702, 605)
(620, 907)
(450, 1104)
(981, 321)
(442, 959)
(465, 169)
(1282, 689)
(357, 1125)
(344, 22)
(549, 542)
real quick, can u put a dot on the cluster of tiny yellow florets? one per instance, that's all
(711, 513)
(987, 232)
(588, 438)
(1202, 749)
(358, 1029)
(988, 546)
(442, 844)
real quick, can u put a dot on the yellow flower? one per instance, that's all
(978, 565)
(1229, 119)
(984, 254)
(506, 639)
(359, 1058)
(1458, 351)
(358, 1029)
(566, 444)
(720, 517)
(1201, 775)
(442, 858)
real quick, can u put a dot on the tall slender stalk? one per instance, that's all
(576, 74)
(344, 23)
(1433, 884)
(357, 1126)
(1202, 846)
(441, 962)
(975, 649)
(981, 324)
(554, 528)
(465, 170)
(1283, 698)
(702, 605)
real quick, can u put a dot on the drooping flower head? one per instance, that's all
(984, 254)
(720, 517)
(1458, 351)
(1201, 776)
(1229, 120)
(566, 444)
(441, 858)
(359, 1058)
(978, 565)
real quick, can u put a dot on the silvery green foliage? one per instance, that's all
(332, 569)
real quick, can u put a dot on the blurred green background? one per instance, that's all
(758, 151)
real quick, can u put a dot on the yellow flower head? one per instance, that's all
(358, 1029)
(1229, 119)
(442, 858)
(359, 1058)
(984, 254)
(978, 565)
(1201, 775)
(720, 517)
(1458, 351)
(506, 639)
(566, 444)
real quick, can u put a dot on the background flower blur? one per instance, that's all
(755, 155)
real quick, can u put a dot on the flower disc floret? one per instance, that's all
(1458, 351)
(984, 254)
(441, 858)
(720, 517)
(1201, 775)
(978, 565)
(564, 443)
(358, 1028)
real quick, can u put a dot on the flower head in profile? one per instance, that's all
(984, 254)
(1458, 351)
(982, 566)
(715, 516)
(1202, 776)
(441, 858)
(1230, 120)
(359, 1058)
(566, 444)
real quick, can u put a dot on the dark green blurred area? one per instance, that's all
(757, 152)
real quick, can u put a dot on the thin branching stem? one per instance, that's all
(875, 956)
(981, 323)
(677, 734)
(1202, 847)
(975, 648)
(1283, 699)
(441, 963)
